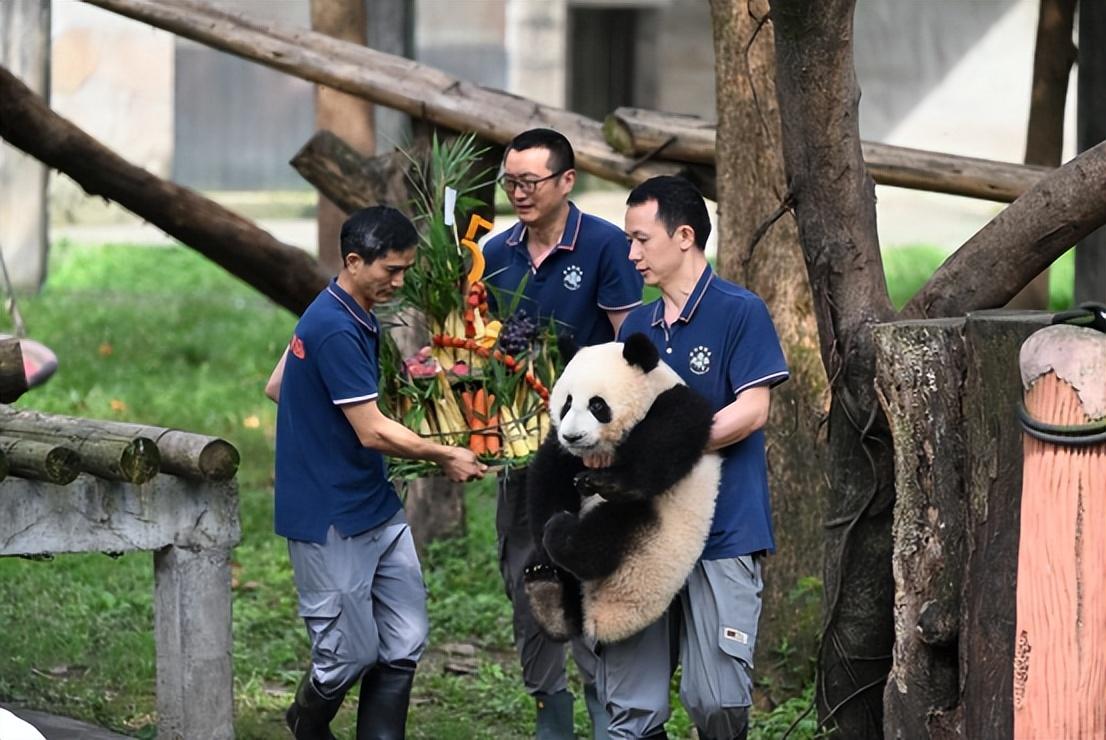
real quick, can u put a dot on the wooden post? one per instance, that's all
(435, 510)
(1090, 254)
(1059, 666)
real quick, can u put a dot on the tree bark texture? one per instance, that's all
(993, 509)
(670, 136)
(1052, 59)
(1090, 254)
(1001, 259)
(751, 187)
(398, 83)
(436, 509)
(286, 274)
(348, 116)
(1060, 649)
(835, 208)
(920, 374)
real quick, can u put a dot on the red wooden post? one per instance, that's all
(1060, 647)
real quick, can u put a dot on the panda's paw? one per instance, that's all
(601, 483)
(541, 572)
(545, 593)
(558, 533)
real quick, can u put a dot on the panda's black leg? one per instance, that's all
(593, 546)
(550, 487)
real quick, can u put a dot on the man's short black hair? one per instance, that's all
(679, 203)
(561, 156)
(377, 230)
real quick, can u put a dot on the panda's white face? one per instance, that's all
(600, 397)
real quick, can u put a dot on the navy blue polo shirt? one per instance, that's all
(324, 476)
(723, 343)
(587, 274)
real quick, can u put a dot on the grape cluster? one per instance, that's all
(517, 333)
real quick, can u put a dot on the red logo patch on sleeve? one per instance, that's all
(296, 345)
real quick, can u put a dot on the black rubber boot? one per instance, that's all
(310, 714)
(598, 713)
(385, 694)
(555, 716)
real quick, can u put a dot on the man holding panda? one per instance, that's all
(570, 266)
(721, 341)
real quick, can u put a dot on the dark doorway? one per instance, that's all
(609, 59)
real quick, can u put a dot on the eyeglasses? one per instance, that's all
(527, 186)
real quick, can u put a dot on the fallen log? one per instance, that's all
(184, 454)
(396, 82)
(43, 461)
(636, 132)
(13, 377)
(284, 273)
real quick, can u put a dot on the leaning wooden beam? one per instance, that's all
(44, 461)
(392, 81)
(286, 274)
(347, 177)
(636, 132)
(184, 454)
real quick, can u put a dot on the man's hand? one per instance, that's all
(460, 465)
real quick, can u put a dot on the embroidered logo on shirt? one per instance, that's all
(699, 360)
(296, 345)
(732, 633)
(574, 277)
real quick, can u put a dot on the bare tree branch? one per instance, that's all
(1020, 242)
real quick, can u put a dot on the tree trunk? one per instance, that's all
(348, 116)
(920, 381)
(835, 207)
(284, 273)
(751, 185)
(1090, 254)
(13, 377)
(670, 136)
(1044, 142)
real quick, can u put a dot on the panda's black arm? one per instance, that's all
(550, 487)
(659, 451)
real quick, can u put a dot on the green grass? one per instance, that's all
(162, 336)
(909, 267)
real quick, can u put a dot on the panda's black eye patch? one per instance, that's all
(566, 407)
(600, 410)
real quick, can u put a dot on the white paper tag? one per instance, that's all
(731, 633)
(450, 205)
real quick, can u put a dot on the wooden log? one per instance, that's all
(350, 179)
(919, 379)
(395, 82)
(635, 132)
(993, 473)
(1060, 655)
(37, 460)
(13, 377)
(184, 454)
(104, 455)
(284, 273)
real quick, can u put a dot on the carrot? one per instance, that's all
(469, 408)
(491, 429)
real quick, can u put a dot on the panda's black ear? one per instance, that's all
(566, 346)
(639, 350)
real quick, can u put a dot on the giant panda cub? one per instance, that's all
(615, 545)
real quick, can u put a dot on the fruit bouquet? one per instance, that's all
(479, 380)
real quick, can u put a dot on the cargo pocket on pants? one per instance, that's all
(321, 611)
